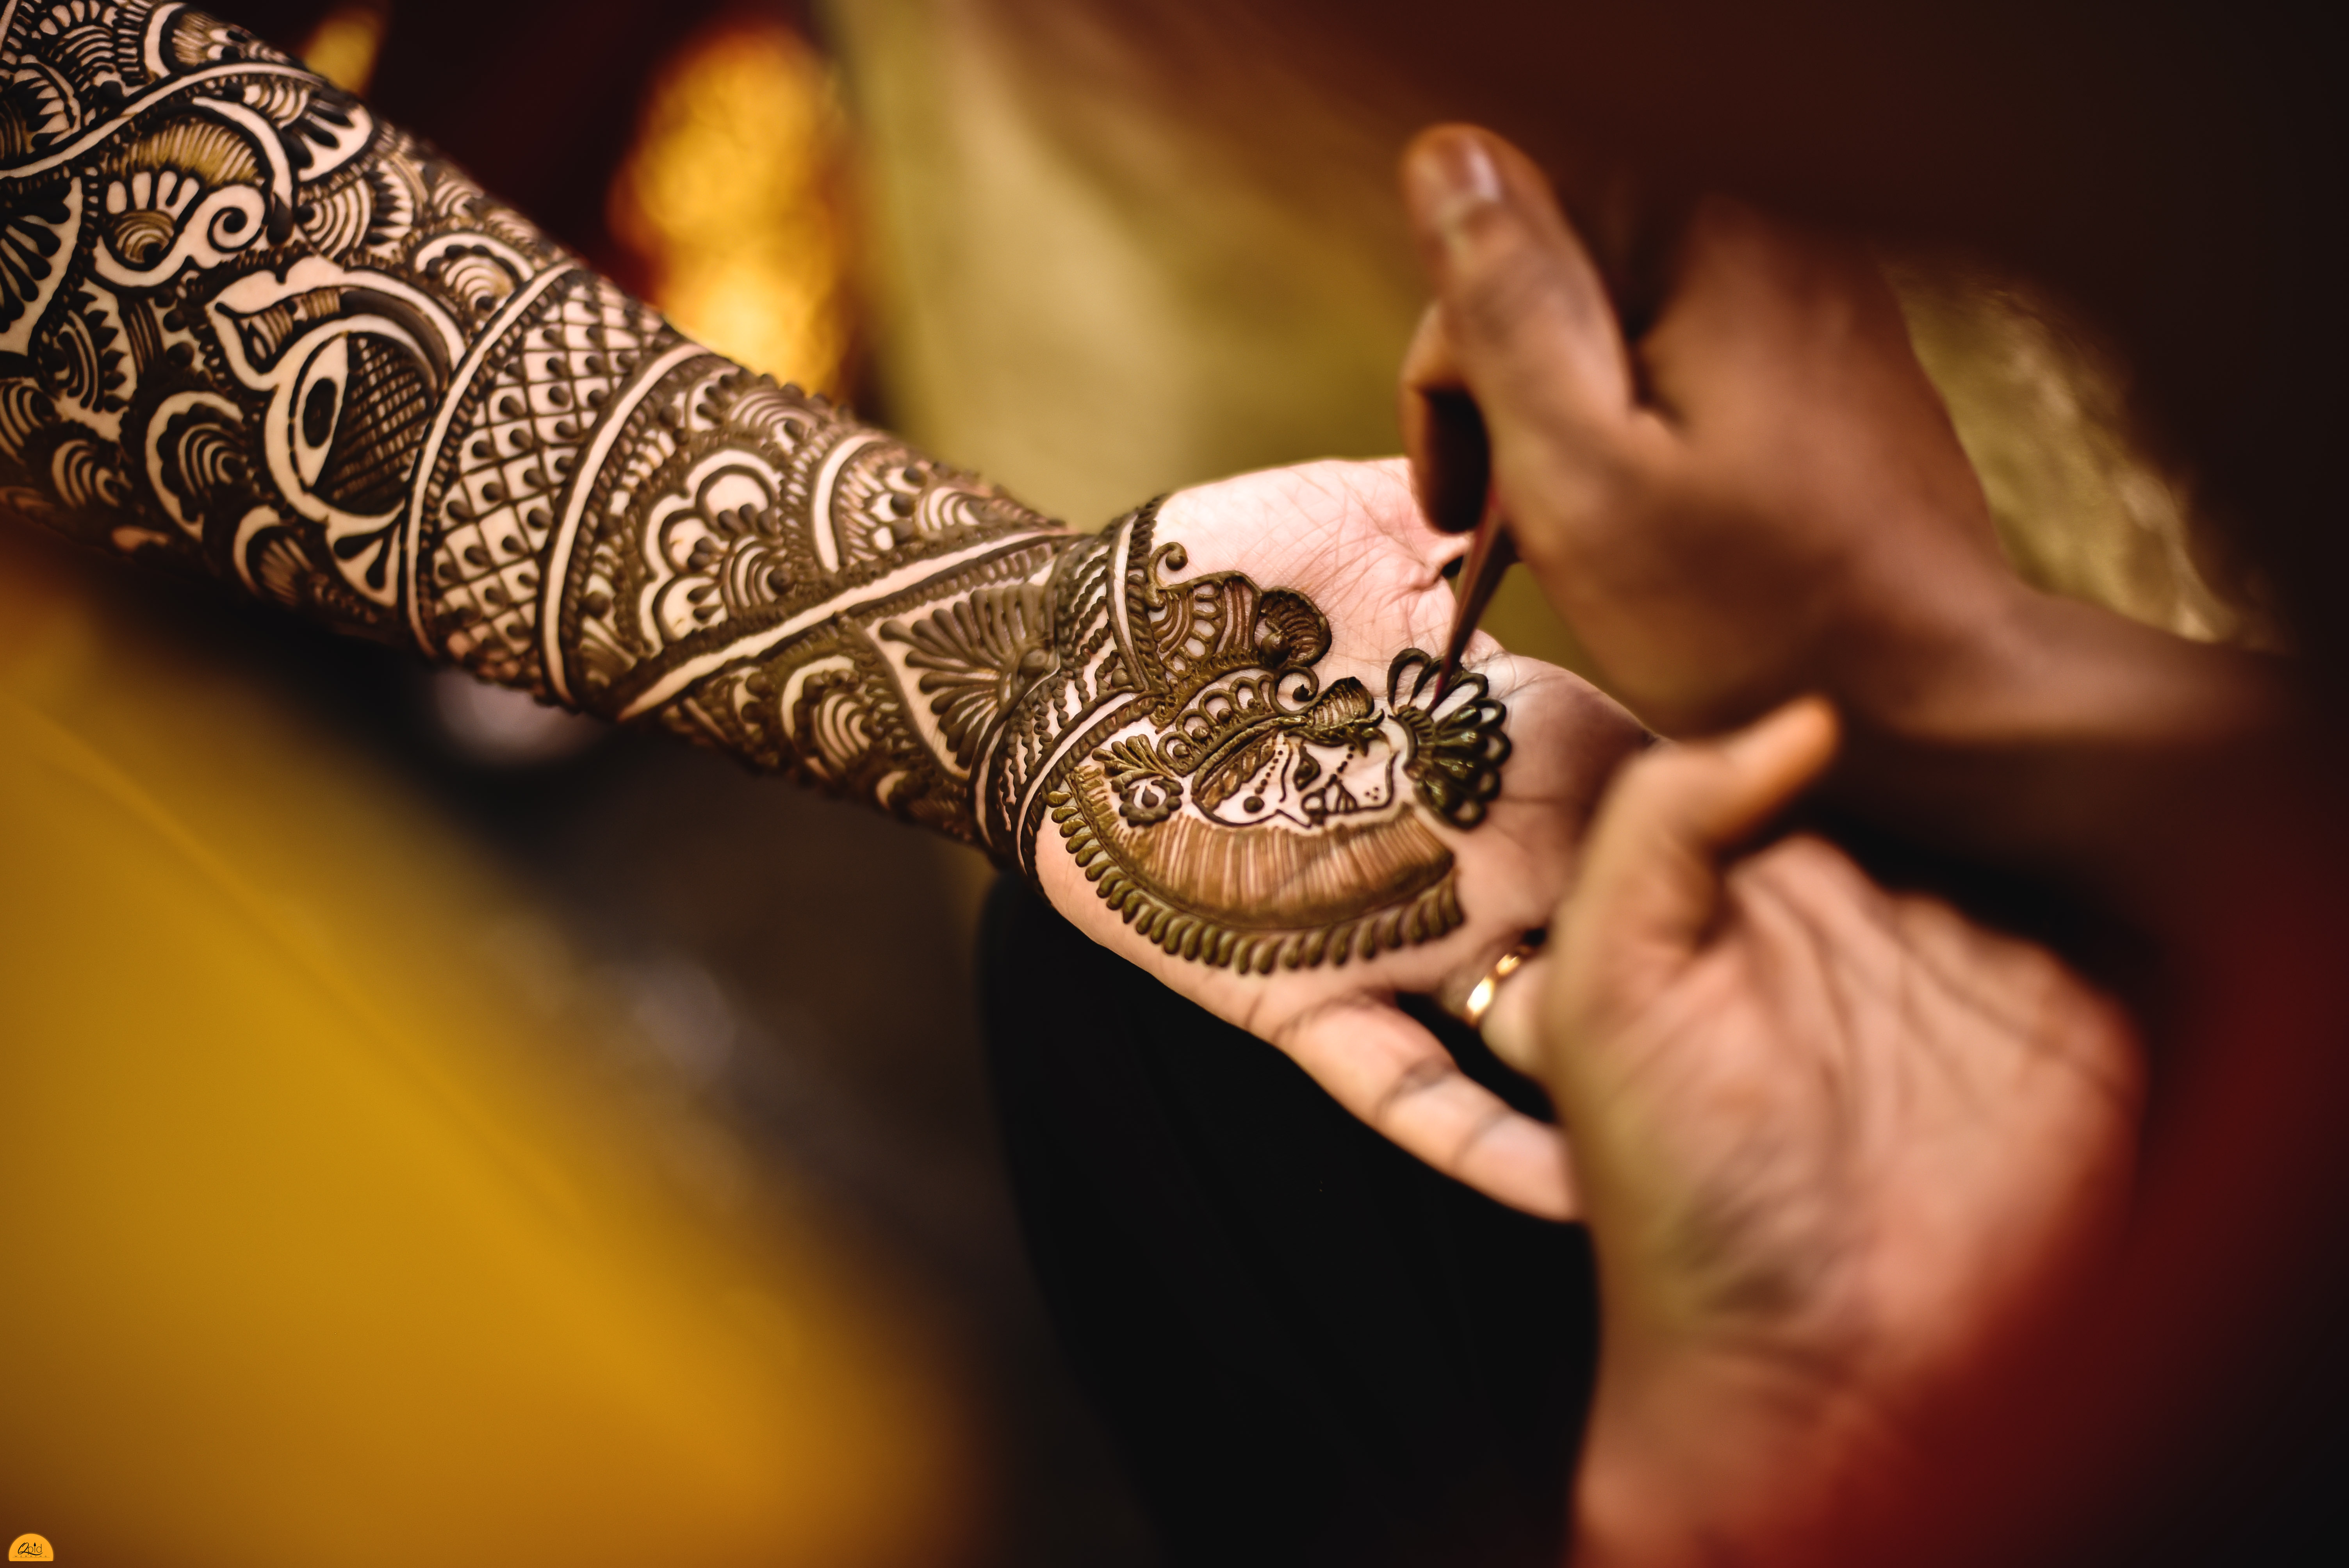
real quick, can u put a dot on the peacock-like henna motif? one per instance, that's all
(1230, 807)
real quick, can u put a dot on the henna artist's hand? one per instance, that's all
(1838, 1149)
(1763, 495)
(1291, 827)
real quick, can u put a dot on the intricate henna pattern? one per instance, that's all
(249, 329)
(1229, 807)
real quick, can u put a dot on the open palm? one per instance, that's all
(1270, 789)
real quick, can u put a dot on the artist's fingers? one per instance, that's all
(1651, 879)
(1443, 431)
(1395, 1076)
(1526, 324)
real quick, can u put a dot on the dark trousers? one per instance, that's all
(1310, 1347)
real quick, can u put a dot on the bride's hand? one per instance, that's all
(1238, 775)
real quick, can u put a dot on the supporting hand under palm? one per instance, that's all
(1843, 1154)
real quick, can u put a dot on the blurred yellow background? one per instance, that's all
(325, 1246)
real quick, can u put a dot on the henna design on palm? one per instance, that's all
(1230, 808)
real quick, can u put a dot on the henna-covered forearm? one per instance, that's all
(249, 329)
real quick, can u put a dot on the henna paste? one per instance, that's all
(248, 329)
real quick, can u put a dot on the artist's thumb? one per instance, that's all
(1652, 873)
(1526, 324)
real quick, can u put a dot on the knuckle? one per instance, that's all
(1476, 1134)
(1419, 1077)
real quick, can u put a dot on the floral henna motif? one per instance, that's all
(1228, 805)
(248, 328)
(977, 656)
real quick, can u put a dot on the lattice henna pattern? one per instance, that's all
(247, 328)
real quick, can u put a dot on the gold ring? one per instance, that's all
(1480, 995)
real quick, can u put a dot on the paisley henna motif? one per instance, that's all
(246, 328)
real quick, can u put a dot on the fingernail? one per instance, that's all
(1456, 178)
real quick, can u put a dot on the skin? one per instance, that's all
(1839, 1149)
(1351, 537)
(1756, 497)
(252, 330)
(1762, 494)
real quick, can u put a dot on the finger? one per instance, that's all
(1397, 1078)
(1527, 318)
(1651, 877)
(1443, 430)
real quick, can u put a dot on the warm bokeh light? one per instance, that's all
(732, 198)
(349, 1217)
(343, 46)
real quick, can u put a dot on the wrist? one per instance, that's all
(2056, 739)
(2004, 665)
(1728, 1456)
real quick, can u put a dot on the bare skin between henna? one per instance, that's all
(248, 329)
